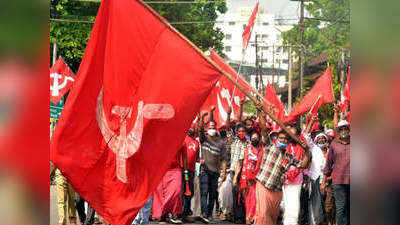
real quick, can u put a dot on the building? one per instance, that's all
(266, 30)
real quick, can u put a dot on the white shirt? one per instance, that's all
(318, 160)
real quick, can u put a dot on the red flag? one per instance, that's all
(323, 88)
(137, 91)
(249, 28)
(223, 95)
(61, 79)
(345, 98)
(272, 98)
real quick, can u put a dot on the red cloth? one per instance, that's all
(250, 201)
(224, 94)
(249, 165)
(61, 80)
(297, 151)
(345, 98)
(127, 114)
(323, 88)
(167, 197)
(272, 99)
(247, 31)
(191, 148)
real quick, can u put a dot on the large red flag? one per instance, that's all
(61, 80)
(137, 91)
(322, 88)
(249, 28)
(272, 98)
(224, 95)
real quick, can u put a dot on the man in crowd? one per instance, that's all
(65, 200)
(338, 163)
(213, 164)
(271, 168)
(191, 149)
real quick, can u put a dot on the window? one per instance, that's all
(232, 23)
(265, 36)
(265, 24)
(228, 36)
(228, 48)
(285, 61)
(264, 47)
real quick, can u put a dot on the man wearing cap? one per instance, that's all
(338, 163)
(213, 165)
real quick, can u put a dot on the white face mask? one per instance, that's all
(211, 132)
(323, 145)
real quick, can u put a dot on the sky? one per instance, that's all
(286, 8)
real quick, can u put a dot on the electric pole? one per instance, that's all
(301, 47)
(54, 52)
(256, 64)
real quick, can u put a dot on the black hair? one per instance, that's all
(213, 122)
(283, 132)
(240, 125)
(248, 119)
(254, 132)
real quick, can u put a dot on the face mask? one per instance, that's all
(344, 135)
(191, 133)
(211, 132)
(255, 142)
(323, 145)
(241, 135)
(281, 145)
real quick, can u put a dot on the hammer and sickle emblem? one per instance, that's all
(55, 89)
(127, 143)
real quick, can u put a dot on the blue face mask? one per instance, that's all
(281, 145)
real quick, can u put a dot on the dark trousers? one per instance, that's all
(341, 193)
(316, 208)
(186, 199)
(238, 204)
(208, 189)
(86, 219)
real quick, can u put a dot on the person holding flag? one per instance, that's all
(271, 167)
(213, 165)
(191, 150)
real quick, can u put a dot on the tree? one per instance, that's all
(326, 31)
(72, 37)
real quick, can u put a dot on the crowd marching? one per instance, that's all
(245, 171)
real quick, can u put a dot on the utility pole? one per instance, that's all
(261, 75)
(301, 47)
(273, 64)
(54, 52)
(256, 64)
(290, 71)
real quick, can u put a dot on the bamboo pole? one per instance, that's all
(227, 75)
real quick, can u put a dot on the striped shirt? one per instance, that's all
(273, 166)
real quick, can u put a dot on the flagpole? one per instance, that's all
(238, 72)
(227, 75)
(312, 108)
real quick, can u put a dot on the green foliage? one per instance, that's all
(327, 31)
(249, 108)
(72, 38)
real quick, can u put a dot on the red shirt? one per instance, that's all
(249, 165)
(191, 148)
(297, 151)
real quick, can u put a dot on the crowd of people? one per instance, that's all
(247, 171)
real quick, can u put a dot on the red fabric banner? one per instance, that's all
(61, 80)
(322, 89)
(224, 94)
(137, 91)
(249, 28)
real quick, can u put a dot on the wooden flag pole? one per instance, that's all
(227, 75)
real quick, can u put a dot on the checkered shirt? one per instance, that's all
(237, 152)
(272, 169)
